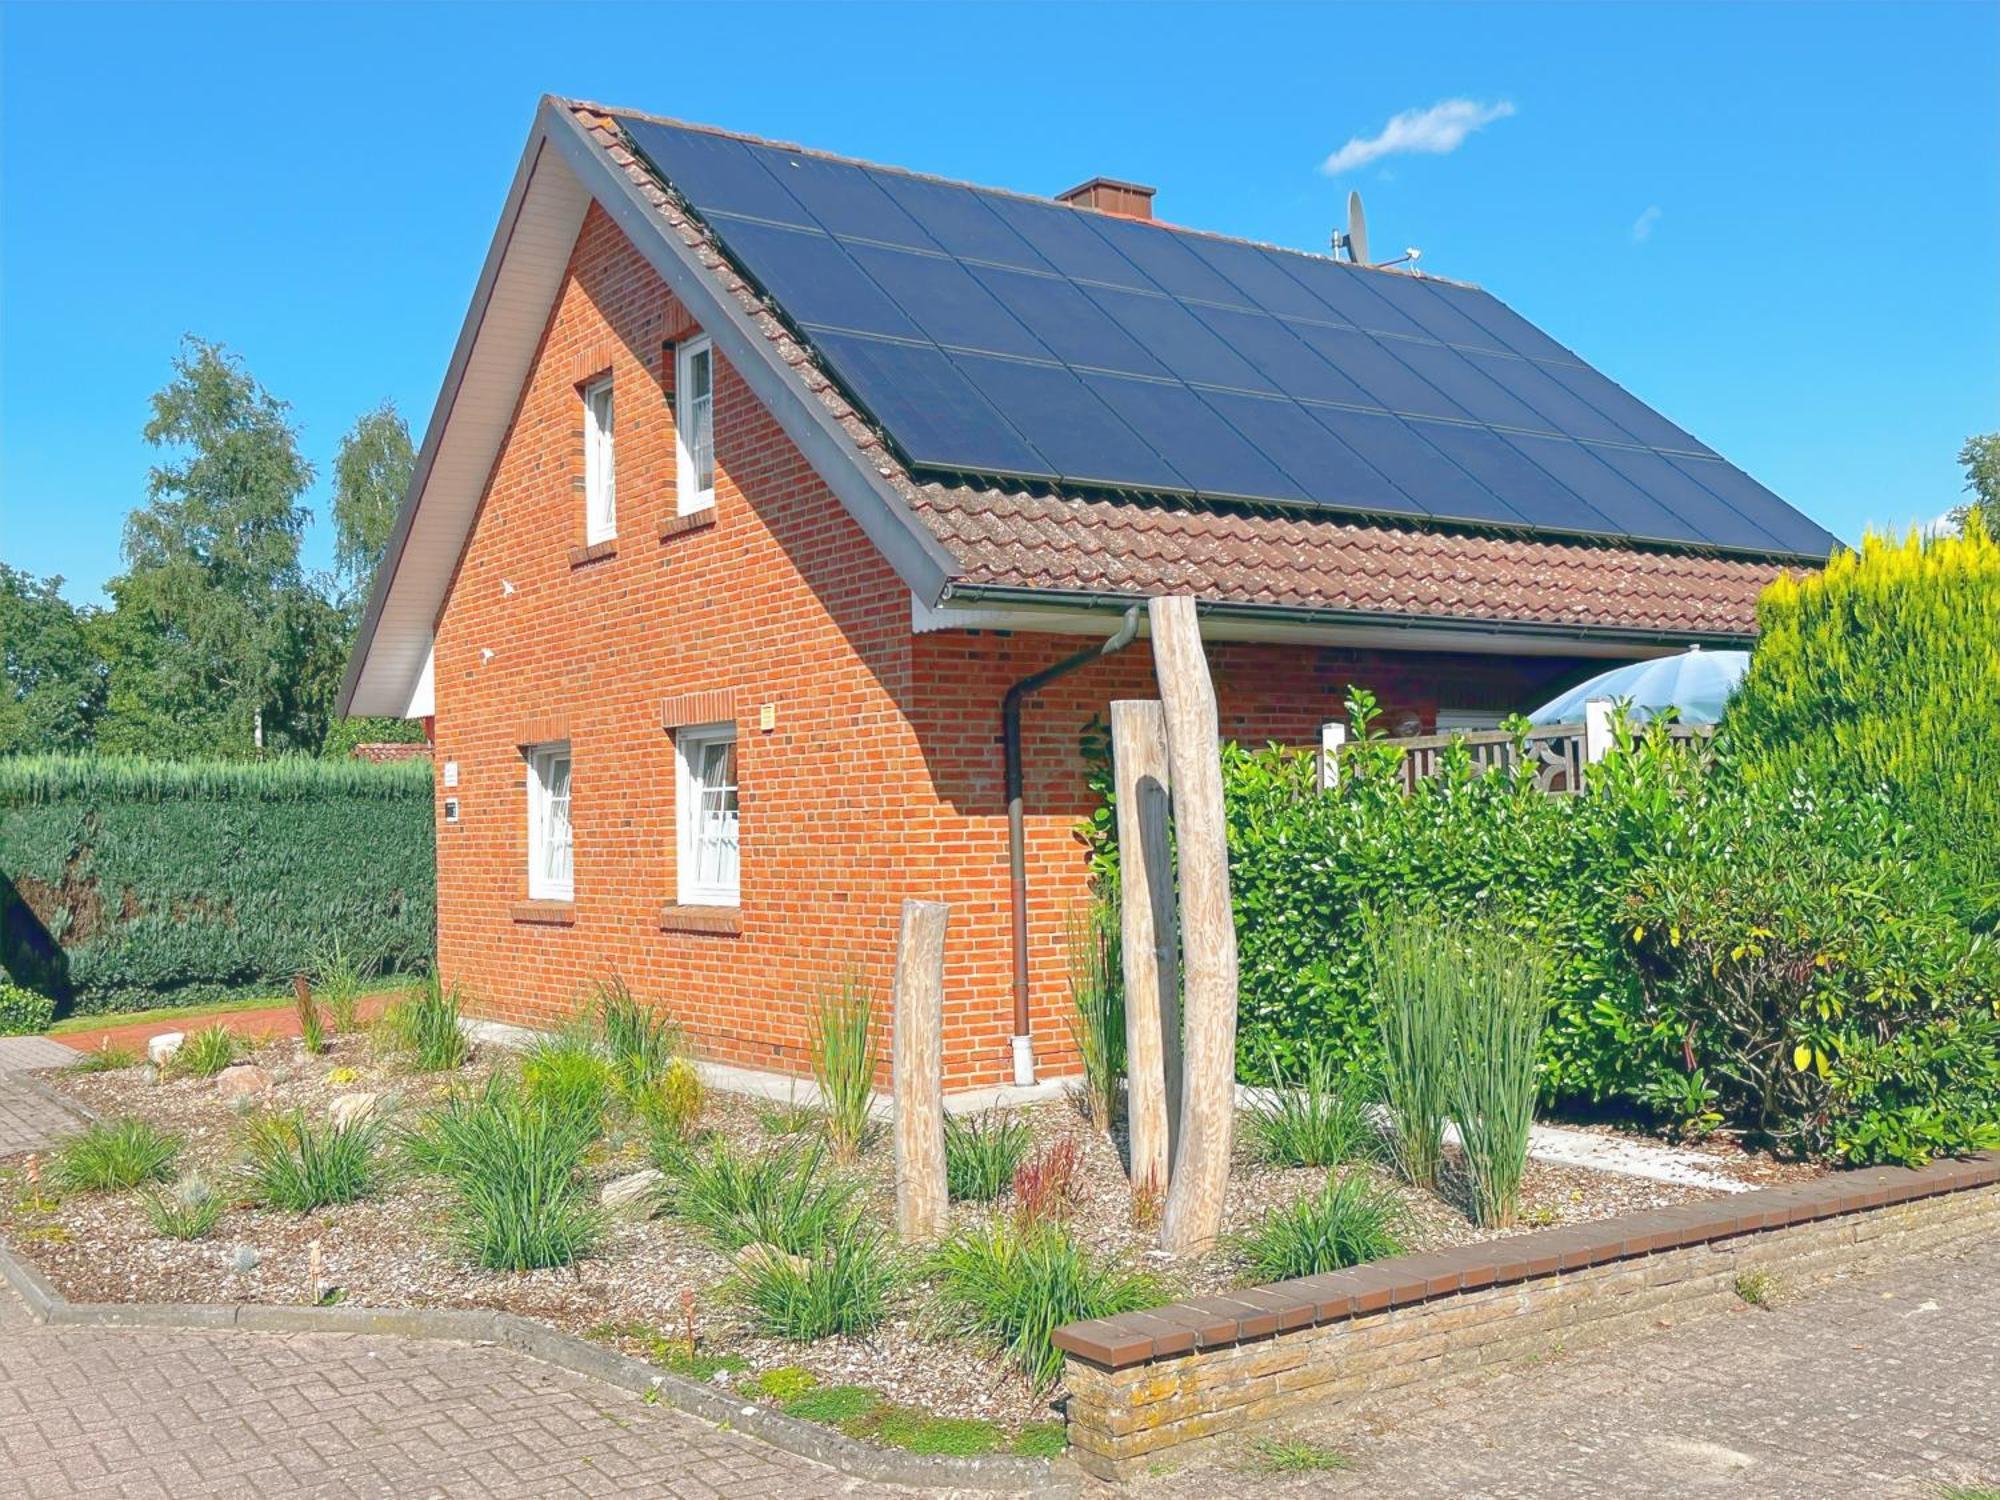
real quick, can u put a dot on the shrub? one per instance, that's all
(1016, 1286)
(180, 882)
(297, 1164)
(1496, 1026)
(981, 1153)
(186, 1211)
(843, 1058)
(1350, 1219)
(206, 1052)
(516, 1168)
(783, 1197)
(568, 1074)
(640, 1043)
(1045, 1185)
(839, 1285)
(1882, 669)
(422, 1028)
(1097, 1006)
(1317, 1117)
(22, 1011)
(105, 1058)
(1417, 979)
(111, 1155)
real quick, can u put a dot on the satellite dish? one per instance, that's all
(1357, 230)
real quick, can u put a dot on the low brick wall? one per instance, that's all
(1146, 1382)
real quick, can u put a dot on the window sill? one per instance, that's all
(695, 520)
(545, 913)
(579, 556)
(718, 921)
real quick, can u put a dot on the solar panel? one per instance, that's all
(992, 334)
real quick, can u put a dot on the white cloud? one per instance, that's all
(1434, 131)
(1642, 227)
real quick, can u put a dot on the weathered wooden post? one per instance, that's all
(1149, 939)
(1193, 1216)
(918, 1070)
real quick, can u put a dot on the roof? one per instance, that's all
(961, 538)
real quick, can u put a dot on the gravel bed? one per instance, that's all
(394, 1252)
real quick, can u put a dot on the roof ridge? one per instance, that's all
(617, 112)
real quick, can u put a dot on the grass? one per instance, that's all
(206, 1052)
(1294, 1455)
(1316, 1118)
(113, 1155)
(105, 1058)
(641, 1043)
(784, 1196)
(1417, 976)
(786, 1383)
(1970, 1492)
(297, 1164)
(671, 1107)
(1350, 1219)
(186, 1211)
(669, 1352)
(422, 1028)
(340, 983)
(863, 1413)
(312, 1025)
(981, 1153)
(105, 1019)
(841, 1285)
(567, 1073)
(515, 1166)
(1497, 1025)
(789, 1118)
(1097, 1006)
(834, 1404)
(1015, 1287)
(842, 1042)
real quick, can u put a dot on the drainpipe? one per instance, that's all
(1017, 851)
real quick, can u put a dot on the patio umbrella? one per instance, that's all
(1696, 682)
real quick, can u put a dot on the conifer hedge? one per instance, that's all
(136, 883)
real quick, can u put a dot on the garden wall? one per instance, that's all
(1146, 1382)
(141, 883)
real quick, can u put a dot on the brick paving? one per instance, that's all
(1886, 1388)
(28, 1119)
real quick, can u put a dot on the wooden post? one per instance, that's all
(1149, 939)
(918, 1070)
(1193, 1216)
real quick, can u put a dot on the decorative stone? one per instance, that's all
(633, 1196)
(164, 1046)
(242, 1081)
(243, 1260)
(149, 1074)
(757, 1256)
(351, 1109)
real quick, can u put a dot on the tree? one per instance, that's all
(54, 690)
(203, 644)
(1980, 458)
(370, 475)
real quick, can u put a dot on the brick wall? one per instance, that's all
(881, 776)
(1405, 1328)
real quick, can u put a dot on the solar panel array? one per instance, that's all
(995, 335)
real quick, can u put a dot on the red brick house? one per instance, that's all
(715, 588)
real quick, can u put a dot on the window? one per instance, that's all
(707, 853)
(1467, 720)
(694, 424)
(600, 468)
(549, 876)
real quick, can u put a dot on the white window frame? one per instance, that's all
(551, 859)
(694, 418)
(600, 462)
(691, 744)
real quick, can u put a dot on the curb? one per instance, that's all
(1038, 1477)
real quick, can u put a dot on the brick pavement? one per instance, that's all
(29, 1120)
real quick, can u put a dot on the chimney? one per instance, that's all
(1124, 200)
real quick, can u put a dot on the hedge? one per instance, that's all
(139, 883)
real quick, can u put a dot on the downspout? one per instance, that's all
(1017, 850)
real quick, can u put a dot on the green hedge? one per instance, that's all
(133, 883)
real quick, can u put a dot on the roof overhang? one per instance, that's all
(562, 171)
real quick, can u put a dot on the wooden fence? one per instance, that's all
(1559, 753)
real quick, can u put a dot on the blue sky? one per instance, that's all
(1778, 224)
